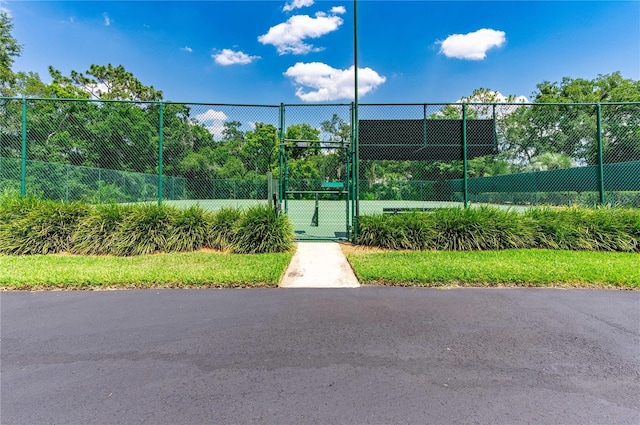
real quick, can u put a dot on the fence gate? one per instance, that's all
(319, 208)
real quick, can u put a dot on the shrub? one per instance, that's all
(189, 230)
(13, 206)
(600, 229)
(384, 231)
(261, 230)
(481, 228)
(31, 226)
(96, 233)
(144, 229)
(221, 230)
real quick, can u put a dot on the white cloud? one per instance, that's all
(186, 49)
(213, 121)
(5, 11)
(472, 46)
(296, 4)
(338, 10)
(331, 83)
(107, 20)
(288, 36)
(229, 57)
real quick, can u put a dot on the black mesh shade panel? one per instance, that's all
(419, 140)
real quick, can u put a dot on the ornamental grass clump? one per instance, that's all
(449, 229)
(189, 230)
(96, 233)
(221, 230)
(261, 230)
(403, 231)
(144, 229)
(599, 229)
(30, 226)
(481, 228)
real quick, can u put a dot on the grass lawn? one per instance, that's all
(530, 267)
(196, 269)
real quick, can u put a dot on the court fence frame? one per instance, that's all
(460, 153)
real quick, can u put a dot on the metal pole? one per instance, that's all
(160, 127)
(23, 150)
(464, 155)
(351, 187)
(356, 147)
(600, 160)
(281, 153)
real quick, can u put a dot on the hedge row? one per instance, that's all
(489, 228)
(35, 226)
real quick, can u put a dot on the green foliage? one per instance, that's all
(189, 230)
(482, 228)
(9, 49)
(144, 229)
(600, 229)
(221, 231)
(486, 228)
(261, 230)
(13, 206)
(96, 234)
(404, 231)
(32, 226)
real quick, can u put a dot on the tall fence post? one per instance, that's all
(465, 181)
(356, 144)
(600, 159)
(281, 153)
(351, 171)
(160, 149)
(23, 150)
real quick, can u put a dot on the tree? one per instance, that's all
(571, 129)
(9, 49)
(302, 133)
(550, 161)
(260, 152)
(106, 82)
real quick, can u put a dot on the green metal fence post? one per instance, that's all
(66, 186)
(160, 155)
(356, 147)
(464, 155)
(281, 153)
(23, 150)
(600, 161)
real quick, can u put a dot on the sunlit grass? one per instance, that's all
(525, 267)
(159, 270)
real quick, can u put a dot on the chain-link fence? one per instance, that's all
(504, 154)
(415, 156)
(315, 169)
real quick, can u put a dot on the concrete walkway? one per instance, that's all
(319, 265)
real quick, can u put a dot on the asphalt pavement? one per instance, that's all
(369, 355)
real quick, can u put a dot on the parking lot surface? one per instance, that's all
(371, 355)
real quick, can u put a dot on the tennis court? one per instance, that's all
(332, 216)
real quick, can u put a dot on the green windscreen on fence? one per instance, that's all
(413, 140)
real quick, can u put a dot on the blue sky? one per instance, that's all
(299, 51)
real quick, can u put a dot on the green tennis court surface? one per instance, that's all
(332, 214)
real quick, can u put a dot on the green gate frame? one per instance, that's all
(344, 187)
